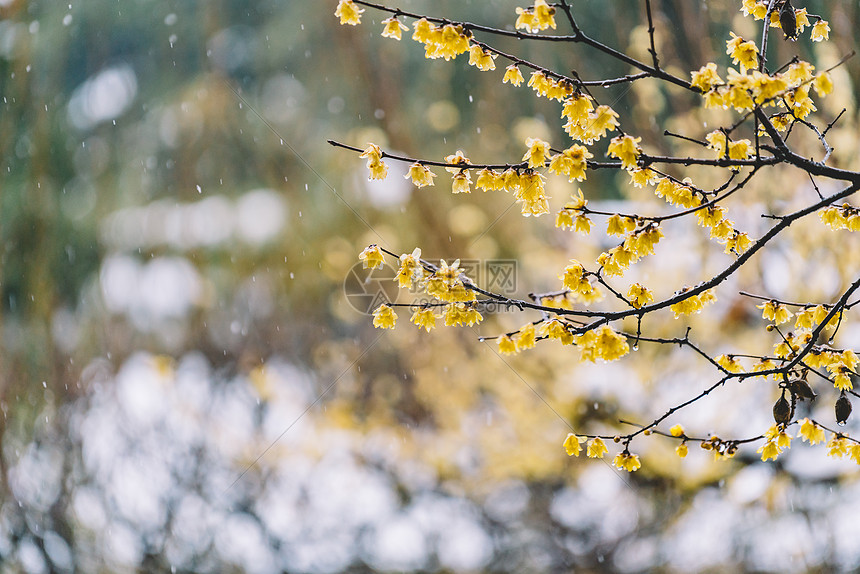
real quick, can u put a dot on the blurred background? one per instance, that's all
(187, 383)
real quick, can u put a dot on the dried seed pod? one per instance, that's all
(788, 21)
(802, 389)
(782, 411)
(843, 409)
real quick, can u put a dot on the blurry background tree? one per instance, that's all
(186, 386)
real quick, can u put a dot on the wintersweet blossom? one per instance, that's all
(348, 12)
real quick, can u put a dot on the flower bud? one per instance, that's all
(802, 389)
(843, 409)
(788, 20)
(782, 411)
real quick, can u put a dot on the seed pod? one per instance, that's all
(782, 411)
(802, 389)
(788, 20)
(843, 409)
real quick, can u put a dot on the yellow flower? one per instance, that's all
(555, 329)
(423, 30)
(619, 225)
(596, 448)
(393, 28)
(531, 194)
(537, 152)
(775, 312)
(802, 19)
(573, 275)
(539, 17)
(811, 432)
(741, 149)
(743, 53)
(482, 59)
(823, 84)
(384, 317)
(799, 102)
(849, 358)
(600, 121)
(821, 31)
(525, 339)
(841, 377)
(582, 224)
(609, 345)
(836, 446)
(804, 319)
(677, 430)
(489, 180)
(410, 268)
(643, 177)
(627, 461)
(799, 72)
(544, 15)
(639, 295)
(833, 217)
(571, 162)
(378, 170)
(572, 444)
(372, 257)
(458, 314)
(706, 77)
(373, 153)
(564, 219)
(424, 318)
(446, 42)
(769, 450)
(686, 307)
(348, 12)
(710, 216)
(457, 159)
(513, 75)
(559, 90)
(767, 88)
(681, 450)
(737, 91)
(420, 175)
(763, 365)
(855, 452)
(626, 149)
(511, 179)
(729, 363)
(461, 183)
(526, 20)
(717, 98)
(539, 82)
(507, 346)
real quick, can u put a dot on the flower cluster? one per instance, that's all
(781, 98)
(773, 311)
(603, 343)
(776, 441)
(626, 149)
(549, 87)
(539, 17)
(448, 41)
(843, 217)
(758, 9)
(692, 303)
(579, 282)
